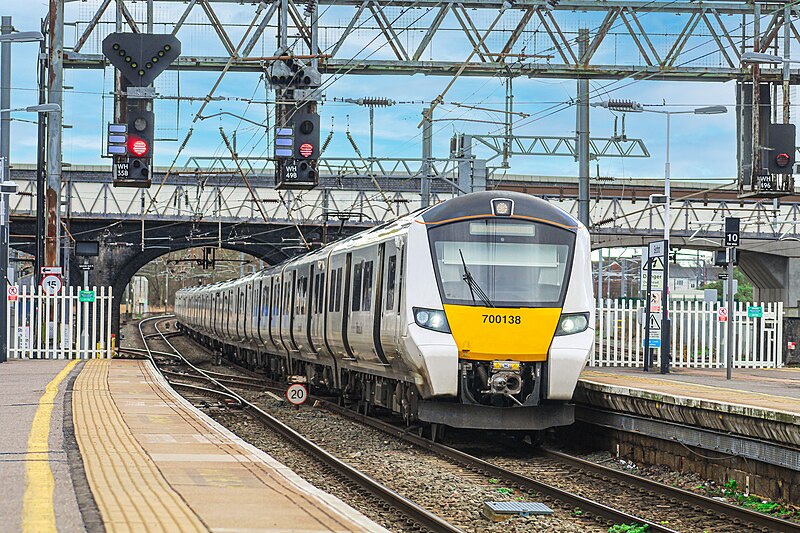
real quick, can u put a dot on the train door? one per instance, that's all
(218, 314)
(310, 307)
(377, 311)
(255, 311)
(348, 282)
(277, 313)
(274, 305)
(223, 324)
(291, 308)
(390, 317)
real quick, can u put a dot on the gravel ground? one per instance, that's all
(451, 492)
(448, 490)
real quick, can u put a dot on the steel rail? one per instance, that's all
(738, 515)
(418, 514)
(225, 381)
(610, 514)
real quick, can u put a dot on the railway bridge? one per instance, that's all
(221, 209)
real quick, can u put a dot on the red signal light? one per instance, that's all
(137, 146)
(306, 149)
(782, 160)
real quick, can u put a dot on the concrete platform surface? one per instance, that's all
(772, 393)
(156, 463)
(37, 485)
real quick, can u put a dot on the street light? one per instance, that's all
(758, 58)
(630, 106)
(22, 37)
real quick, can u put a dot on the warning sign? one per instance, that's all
(657, 281)
(13, 293)
(655, 302)
(722, 314)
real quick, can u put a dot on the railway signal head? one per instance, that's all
(141, 57)
(141, 131)
(306, 143)
(781, 148)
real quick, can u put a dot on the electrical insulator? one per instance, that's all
(624, 105)
(376, 101)
(311, 5)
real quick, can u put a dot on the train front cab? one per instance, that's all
(514, 279)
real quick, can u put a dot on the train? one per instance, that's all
(477, 312)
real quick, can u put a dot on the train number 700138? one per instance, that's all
(502, 319)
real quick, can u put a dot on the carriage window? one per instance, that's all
(315, 306)
(302, 293)
(357, 286)
(367, 290)
(333, 291)
(390, 281)
(338, 289)
(321, 294)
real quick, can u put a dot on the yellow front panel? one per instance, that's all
(487, 333)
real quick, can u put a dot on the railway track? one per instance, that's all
(552, 475)
(390, 499)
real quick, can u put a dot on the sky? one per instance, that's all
(701, 146)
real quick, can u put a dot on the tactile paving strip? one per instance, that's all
(134, 495)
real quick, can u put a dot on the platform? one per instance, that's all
(154, 462)
(758, 403)
(38, 492)
(107, 445)
(746, 428)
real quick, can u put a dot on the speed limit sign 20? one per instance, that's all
(297, 394)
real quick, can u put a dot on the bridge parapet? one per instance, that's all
(221, 202)
(616, 215)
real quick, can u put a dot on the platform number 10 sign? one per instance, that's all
(296, 394)
(731, 232)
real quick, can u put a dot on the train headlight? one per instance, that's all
(572, 323)
(431, 319)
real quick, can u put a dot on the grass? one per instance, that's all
(731, 490)
(629, 528)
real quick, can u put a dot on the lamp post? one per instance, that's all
(636, 107)
(7, 37)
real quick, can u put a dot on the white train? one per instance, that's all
(477, 312)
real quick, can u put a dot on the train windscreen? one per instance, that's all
(502, 262)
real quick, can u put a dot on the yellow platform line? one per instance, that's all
(38, 513)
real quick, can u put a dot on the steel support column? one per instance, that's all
(582, 133)
(41, 173)
(5, 174)
(427, 154)
(55, 85)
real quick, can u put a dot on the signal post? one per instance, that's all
(140, 58)
(297, 135)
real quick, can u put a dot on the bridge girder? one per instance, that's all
(703, 41)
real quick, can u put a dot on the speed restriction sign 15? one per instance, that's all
(296, 394)
(51, 284)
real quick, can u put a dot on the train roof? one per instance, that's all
(500, 204)
(474, 205)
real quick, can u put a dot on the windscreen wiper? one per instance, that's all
(473, 285)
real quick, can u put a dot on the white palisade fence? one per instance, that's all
(74, 324)
(698, 337)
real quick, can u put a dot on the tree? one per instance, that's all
(744, 292)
